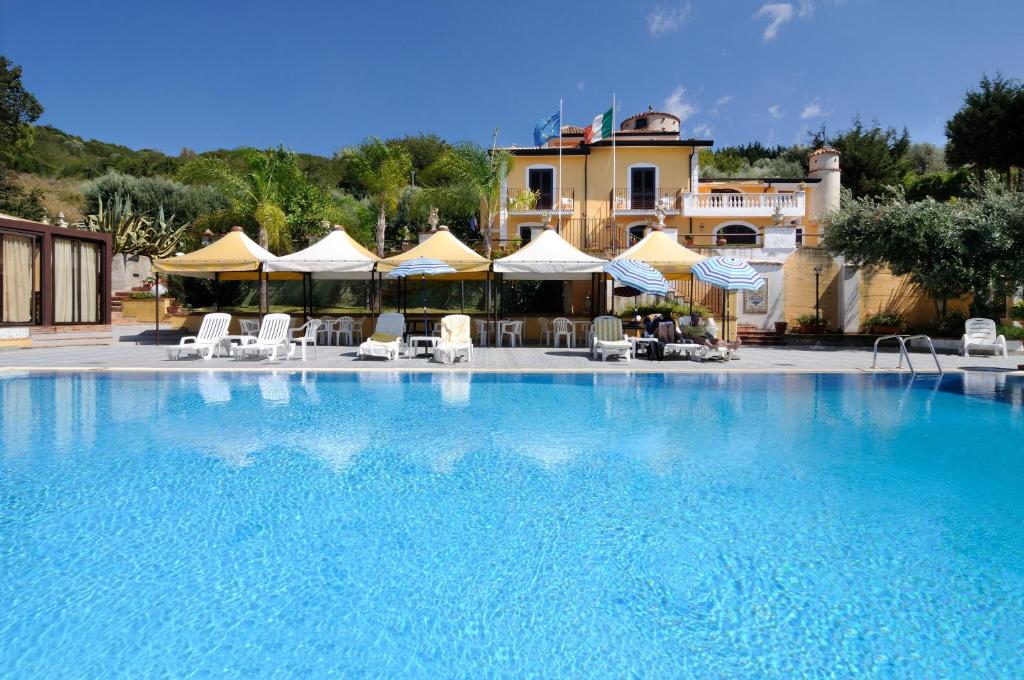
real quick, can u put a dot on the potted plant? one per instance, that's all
(885, 323)
(688, 240)
(808, 324)
(722, 241)
(781, 326)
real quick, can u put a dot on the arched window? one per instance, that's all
(737, 235)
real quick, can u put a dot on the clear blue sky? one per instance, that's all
(319, 75)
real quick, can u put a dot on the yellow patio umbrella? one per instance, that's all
(664, 253)
(233, 257)
(467, 263)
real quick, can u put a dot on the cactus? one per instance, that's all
(135, 233)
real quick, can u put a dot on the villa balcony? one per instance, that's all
(523, 201)
(645, 201)
(743, 205)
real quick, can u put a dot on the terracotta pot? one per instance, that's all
(688, 240)
(878, 329)
(781, 326)
(722, 242)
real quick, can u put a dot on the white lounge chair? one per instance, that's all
(207, 341)
(306, 336)
(249, 328)
(456, 339)
(981, 334)
(272, 338)
(609, 338)
(392, 324)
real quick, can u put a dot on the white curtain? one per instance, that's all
(63, 280)
(87, 281)
(17, 264)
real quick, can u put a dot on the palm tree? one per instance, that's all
(384, 170)
(469, 177)
(254, 191)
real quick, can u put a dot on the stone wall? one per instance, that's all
(128, 271)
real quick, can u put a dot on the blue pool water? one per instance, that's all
(740, 526)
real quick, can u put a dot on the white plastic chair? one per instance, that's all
(609, 338)
(514, 331)
(357, 329)
(981, 334)
(328, 328)
(272, 338)
(249, 328)
(304, 336)
(545, 331)
(346, 330)
(564, 328)
(207, 341)
(481, 332)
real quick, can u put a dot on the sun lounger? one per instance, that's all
(272, 339)
(207, 341)
(609, 338)
(981, 334)
(386, 341)
(456, 340)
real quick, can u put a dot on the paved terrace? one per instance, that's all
(133, 350)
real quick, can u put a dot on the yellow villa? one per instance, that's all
(606, 195)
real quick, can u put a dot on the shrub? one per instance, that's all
(1017, 311)
(148, 194)
(949, 326)
(672, 309)
(141, 295)
(808, 321)
(888, 319)
(1012, 332)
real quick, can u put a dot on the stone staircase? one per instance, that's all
(758, 337)
(117, 305)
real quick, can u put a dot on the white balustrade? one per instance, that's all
(743, 205)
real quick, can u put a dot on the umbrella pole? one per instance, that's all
(423, 297)
(691, 297)
(157, 315)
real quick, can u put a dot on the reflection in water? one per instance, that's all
(274, 388)
(455, 388)
(214, 388)
(18, 414)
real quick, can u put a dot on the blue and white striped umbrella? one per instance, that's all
(637, 274)
(420, 266)
(730, 273)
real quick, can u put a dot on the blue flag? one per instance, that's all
(547, 128)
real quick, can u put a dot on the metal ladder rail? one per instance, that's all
(902, 340)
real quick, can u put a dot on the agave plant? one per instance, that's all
(136, 233)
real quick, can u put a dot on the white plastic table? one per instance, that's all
(414, 342)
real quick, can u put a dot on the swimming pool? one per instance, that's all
(560, 526)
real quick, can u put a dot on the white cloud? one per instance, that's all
(579, 85)
(702, 130)
(812, 110)
(667, 19)
(676, 104)
(720, 102)
(778, 13)
(775, 110)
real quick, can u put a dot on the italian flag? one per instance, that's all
(600, 129)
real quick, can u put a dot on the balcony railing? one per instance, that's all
(743, 205)
(523, 201)
(645, 201)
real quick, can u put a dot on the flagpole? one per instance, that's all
(558, 199)
(614, 226)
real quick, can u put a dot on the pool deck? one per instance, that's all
(132, 350)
